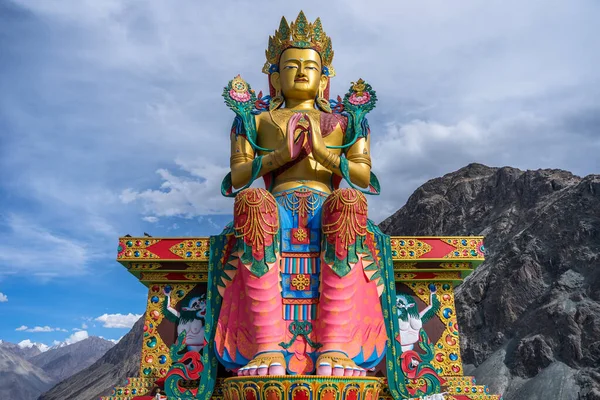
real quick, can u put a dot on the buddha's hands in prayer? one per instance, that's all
(318, 146)
(297, 142)
(289, 149)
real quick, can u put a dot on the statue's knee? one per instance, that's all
(346, 199)
(254, 202)
(344, 220)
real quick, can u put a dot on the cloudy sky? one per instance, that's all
(111, 122)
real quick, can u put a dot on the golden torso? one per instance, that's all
(307, 172)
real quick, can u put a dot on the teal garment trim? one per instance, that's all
(227, 186)
(373, 189)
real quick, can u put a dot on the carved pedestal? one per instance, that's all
(426, 270)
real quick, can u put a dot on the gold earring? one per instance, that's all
(323, 103)
(276, 101)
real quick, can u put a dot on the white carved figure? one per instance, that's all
(191, 319)
(410, 320)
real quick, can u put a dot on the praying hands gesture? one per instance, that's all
(310, 139)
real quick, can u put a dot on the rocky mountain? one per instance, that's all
(19, 379)
(119, 363)
(26, 371)
(63, 361)
(530, 314)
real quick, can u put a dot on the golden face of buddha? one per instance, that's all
(299, 76)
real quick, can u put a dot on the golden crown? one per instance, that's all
(303, 35)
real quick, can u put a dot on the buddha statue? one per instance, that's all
(300, 279)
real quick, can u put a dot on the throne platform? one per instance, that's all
(422, 266)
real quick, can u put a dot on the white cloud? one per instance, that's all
(150, 219)
(3, 298)
(37, 329)
(40, 329)
(118, 320)
(29, 344)
(76, 337)
(84, 325)
(183, 196)
(25, 344)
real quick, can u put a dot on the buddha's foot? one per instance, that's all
(336, 363)
(268, 363)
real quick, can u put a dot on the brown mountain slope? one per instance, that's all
(119, 363)
(529, 315)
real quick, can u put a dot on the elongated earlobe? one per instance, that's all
(277, 100)
(322, 102)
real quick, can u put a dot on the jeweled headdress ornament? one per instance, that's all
(303, 35)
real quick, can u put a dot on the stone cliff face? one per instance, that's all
(119, 363)
(530, 314)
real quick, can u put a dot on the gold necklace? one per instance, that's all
(282, 116)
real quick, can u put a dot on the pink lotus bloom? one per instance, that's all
(241, 97)
(359, 100)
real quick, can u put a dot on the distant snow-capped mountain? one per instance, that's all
(25, 349)
(64, 360)
(28, 369)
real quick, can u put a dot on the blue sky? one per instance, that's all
(111, 122)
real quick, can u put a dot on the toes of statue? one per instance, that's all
(324, 368)
(272, 363)
(262, 369)
(276, 368)
(338, 370)
(338, 364)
